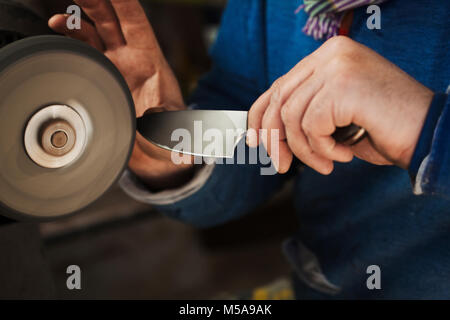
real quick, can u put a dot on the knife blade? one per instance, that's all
(192, 131)
(211, 133)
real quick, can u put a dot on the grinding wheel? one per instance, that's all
(67, 127)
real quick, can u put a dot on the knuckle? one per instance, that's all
(253, 116)
(321, 147)
(306, 125)
(276, 91)
(287, 113)
(265, 121)
(342, 70)
(338, 42)
(328, 148)
(303, 152)
(277, 83)
(341, 63)
(310, 119)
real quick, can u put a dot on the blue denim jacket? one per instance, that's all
(361, 214)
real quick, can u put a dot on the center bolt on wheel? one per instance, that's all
(55, 136)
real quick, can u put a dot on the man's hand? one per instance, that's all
(341, 83)
(123, 33)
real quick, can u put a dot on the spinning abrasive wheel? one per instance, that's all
(67, 126)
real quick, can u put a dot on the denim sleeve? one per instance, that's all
(430, 164)
(229, 193)
(238, 75)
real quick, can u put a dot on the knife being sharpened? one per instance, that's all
(201, 128)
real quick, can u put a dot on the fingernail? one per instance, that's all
(247, 140)
(251, 138)
(276, 165)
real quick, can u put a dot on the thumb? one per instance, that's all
(365, 150)
(86, 33)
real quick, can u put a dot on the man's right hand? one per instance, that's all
(123, 33)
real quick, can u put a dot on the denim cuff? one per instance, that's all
(423, 146)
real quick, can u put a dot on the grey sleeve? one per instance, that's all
(138, 191)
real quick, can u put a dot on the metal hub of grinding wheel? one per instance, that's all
(67, 126)
(55, 136)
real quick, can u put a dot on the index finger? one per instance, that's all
(320, 121)
(133, 22)
(102, 14)
(255, 116)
